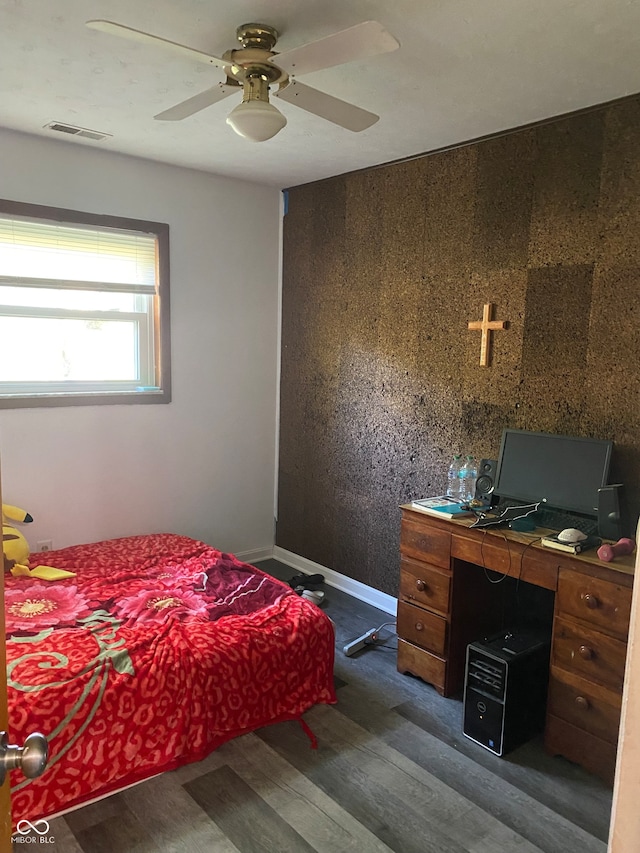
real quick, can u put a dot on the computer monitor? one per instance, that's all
(565, 471)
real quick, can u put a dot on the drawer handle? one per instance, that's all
(419, 626)
(590, 600)
(585, 652)
(582, 702)
(420, 586)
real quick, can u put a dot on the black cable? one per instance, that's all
(484, 562)
(507, 573)
(517, 602)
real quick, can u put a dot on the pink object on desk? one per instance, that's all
(621, 547)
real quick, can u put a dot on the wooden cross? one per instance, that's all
(486, 325)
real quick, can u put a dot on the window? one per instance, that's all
(84, 308)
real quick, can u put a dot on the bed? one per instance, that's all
(157, 651)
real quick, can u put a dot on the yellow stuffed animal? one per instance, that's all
(15, 548)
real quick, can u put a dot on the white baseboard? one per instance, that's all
(361, 591)
(254, 555)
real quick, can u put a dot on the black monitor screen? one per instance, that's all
(565, 471)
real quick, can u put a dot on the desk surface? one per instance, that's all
(625, 565)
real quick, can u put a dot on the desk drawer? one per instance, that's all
(585, 705)
(422, 628)
(423, 664)
(589, 653)
(506, 557)
(420, 540)
(604, 605)
(426, 586)
(594, 754)
(486, 550)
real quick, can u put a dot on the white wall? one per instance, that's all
(203, 465)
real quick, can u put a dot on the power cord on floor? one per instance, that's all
(369, 638)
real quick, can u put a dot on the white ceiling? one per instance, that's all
(465, 68)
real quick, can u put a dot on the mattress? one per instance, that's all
(157, 651)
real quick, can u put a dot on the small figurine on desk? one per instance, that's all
(619, 549)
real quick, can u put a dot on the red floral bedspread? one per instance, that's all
(158, 651)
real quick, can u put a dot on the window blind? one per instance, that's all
(35, 253)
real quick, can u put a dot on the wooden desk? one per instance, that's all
(446, 602)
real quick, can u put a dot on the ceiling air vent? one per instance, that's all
(72, 130)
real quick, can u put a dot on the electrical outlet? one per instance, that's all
(45, 545)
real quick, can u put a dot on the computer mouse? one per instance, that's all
(570, 534)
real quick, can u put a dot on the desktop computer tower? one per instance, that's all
(505, 689)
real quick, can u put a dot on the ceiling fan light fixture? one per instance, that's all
(255, 118)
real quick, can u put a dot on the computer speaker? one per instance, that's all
(610, 514)
(486, 482)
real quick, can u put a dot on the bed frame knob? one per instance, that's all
(30, 758)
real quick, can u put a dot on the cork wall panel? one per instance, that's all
(448, 211)
(612, 375)
(555, 347)
(382, 271)
(564, 220)
(619, 209)
(504, 196)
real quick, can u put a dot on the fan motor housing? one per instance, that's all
(252, 62)
(257, 35)
(252, 59)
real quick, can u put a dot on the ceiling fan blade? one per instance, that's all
(326, 106)
(198, 102)
(146, 38)
(359, 42)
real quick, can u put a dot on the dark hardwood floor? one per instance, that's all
(392, 772)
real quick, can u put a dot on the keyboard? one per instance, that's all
(554, 519)
(560, 520)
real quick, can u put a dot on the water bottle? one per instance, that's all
(473, 478)
(453, 478)
(468, 477)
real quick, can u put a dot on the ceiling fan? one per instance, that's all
(255, 67)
